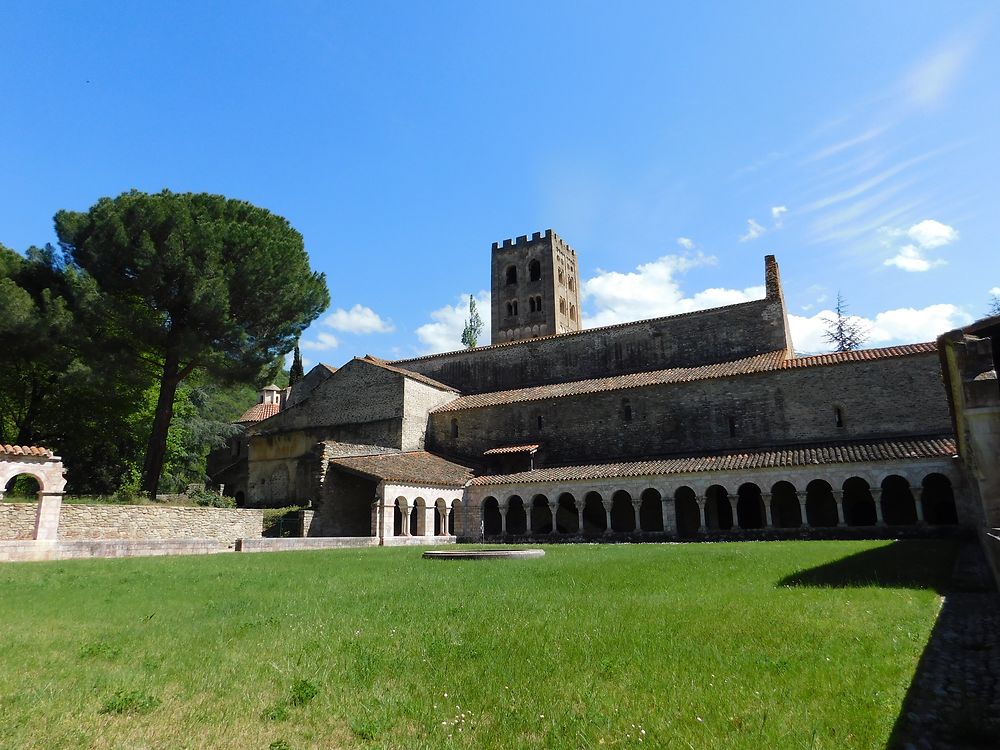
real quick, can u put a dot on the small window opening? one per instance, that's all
(572, 312)
(515, 307)
(532, 304)
(510, 309)
(839, 414)
(454, 428)
(562, 276)
(541, 422)
(562, 305)
(572, 283)
(626, 410)
(732, 427)
(512, 275)
(534, 271)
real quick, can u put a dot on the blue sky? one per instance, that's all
(672, 145)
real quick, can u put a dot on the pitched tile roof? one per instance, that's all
(512, 449)
(258, 413)
(25, 450)
(768, 362)
(407, 373)
(796, 455)
(414, 467)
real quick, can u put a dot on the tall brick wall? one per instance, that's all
(136, 522)
(705, 337)
(877, 399)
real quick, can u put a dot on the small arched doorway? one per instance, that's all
(821, 506)
(492, 522)
(651, 511)
(786, 513)
(622, 512)
(938, 500)
(517, 520)
(750, 507)
(687, 512)
(859, 506)
(718, 511)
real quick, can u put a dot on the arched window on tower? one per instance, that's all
(572, 312)
(572, 283)
(511, 274)
(510, 309)
(534, 271)
(531, 304)
(626, 410)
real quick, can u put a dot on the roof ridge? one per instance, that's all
(385, 365)
(612, 326)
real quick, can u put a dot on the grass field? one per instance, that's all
(741, 645)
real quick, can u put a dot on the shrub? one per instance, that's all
(208, 499)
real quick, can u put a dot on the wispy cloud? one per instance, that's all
(930, 80)
(848, 143)
(754, 230)
(925, 235)
(686, 242)
(778, 215)
(359, 320)
(324, 342)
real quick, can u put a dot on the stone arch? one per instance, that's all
(718, 511)
(418, 517)
(440, 512)
(687, 512)
(492, 522)
(517, 520)
(541, 515)
(651, 510)
(898, 506)
(859, 505)
(567, 519)
(534, 270)
(511, 274)
(452, 515)
(750, 507)
(622, 512)
(24, 484)
(594, 518)
(400, 512)
(786, 513)
(821, 507)
(938, 500)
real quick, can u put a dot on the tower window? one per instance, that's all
(562, 305)
(572, 283)
(572, 312)
(534, 271)
(732, 427)
(454, 428)
(626, 410)
(510, 309)
(512, 274)
(531, 304)
(562, 277)
(541, 422)
(838, 414)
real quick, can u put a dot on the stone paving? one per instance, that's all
(954, 700)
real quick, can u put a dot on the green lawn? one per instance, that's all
(741, 645)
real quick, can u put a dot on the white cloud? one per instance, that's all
(995, 291)
(445, 333)
(930, 233)
(754, 230)
(926, 235)
(652, 291)
(929, 81)
(778, 214)
(323, 342)
(686, 242)
(359, 319)
(905, 325)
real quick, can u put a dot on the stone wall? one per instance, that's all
(876, 398)
(345, 506)
(418, 401)
(688, 340)
(136, 522)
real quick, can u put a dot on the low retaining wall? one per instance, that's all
(18, 551)
(287, 544)
(136, 522)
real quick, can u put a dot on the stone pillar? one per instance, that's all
(554, 509)
(877, 499)
(667, 508)
(579, 515)
(703, 522)
(734, 504)
(47, 516)
(443, 515)
(504, 507)
(636, 505)
(405, 511)
(607, 514)
(765, 497)
(918, 503)
(527, 517)
(838, 497)
(801, 497)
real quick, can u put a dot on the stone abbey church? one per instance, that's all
(695, 424)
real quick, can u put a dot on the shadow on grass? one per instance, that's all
(910, 564)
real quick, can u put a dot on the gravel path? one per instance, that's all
(954, 699)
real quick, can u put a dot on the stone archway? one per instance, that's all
(47, 470)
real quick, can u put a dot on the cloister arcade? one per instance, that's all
(692, 506)
(419, 512)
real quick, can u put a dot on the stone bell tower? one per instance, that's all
(536, 288)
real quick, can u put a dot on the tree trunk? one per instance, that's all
(156, 449)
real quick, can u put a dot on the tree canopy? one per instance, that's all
(844, 332)
(473, 326)
(192, 282)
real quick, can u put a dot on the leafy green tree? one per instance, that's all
(473, 326)
(193, 282)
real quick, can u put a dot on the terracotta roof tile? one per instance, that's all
(797, 455)
(258, 413)
(768, 362)
(414, 467)
(25, 450)
(512, 449)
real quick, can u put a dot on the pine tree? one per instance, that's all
(994, 308)
(473, 326)
(844, 332)
(296, 371)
